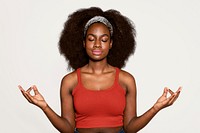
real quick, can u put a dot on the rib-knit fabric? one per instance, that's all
(103, 108)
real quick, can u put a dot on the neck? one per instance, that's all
(98, 66)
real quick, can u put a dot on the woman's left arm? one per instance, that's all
(134, 123)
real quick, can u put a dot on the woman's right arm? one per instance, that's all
(66, 122)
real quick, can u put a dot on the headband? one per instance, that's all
(98, 19)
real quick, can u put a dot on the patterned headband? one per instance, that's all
(98, 19)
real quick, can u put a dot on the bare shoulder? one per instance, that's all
(126, 76)
(126, 80)
(69, 81)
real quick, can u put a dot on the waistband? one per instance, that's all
(121, 131)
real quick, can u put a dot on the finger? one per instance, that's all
(170, 98)
(28, 91)
(179, 89)
(174, 99)
(29, 97)
(20, 88)
(22, 91)
(35, 90)
(176, 95)
(25, 94)
(165, 92)
(171, 92)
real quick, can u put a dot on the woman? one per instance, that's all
(98, 97)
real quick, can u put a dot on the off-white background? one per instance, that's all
(167, 54)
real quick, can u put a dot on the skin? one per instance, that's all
(98, 74)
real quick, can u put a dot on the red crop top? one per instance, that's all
(102, 108)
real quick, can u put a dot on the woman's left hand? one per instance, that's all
(165, 101)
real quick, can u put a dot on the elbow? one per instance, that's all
(67, 131)
(131, 126)
(129, 130)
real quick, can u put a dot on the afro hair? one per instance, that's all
(72, 37)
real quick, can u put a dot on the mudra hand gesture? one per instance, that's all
(165, 101)
(36, 99)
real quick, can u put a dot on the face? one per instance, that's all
(97, 42)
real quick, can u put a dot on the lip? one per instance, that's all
(96, 52)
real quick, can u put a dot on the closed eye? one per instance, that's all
(105, 40)
(90, 39)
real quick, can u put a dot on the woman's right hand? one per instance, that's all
(36, 99)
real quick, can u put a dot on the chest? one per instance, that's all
(103, 102)
(98, 82)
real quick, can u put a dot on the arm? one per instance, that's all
(64, 123)
(134, 123)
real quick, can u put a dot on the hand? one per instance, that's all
(165, 101)
(36, 99)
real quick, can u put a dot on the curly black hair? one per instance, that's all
(72, 37)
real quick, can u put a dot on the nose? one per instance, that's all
(97, 44)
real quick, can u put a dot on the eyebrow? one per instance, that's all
(95, 35)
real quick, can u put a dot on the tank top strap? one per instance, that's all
(117, 75)
(79, 81)
(78, 71)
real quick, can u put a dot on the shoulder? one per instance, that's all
(125, 76)
(126, 80)
(69, 81)
(70, 76)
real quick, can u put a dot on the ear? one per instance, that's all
(110, 44)
(84, 44)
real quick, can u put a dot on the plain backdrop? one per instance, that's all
(167, 54)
